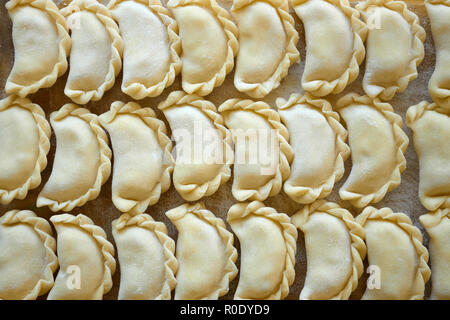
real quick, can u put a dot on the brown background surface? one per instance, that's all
(102, 211)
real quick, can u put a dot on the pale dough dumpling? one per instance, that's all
(86, 259)
(24, 144)
(377, 143)
(205, 253)
(335, 251)
(96, 55)
(437, 225)
(41, 45)
(142, 156)
(395, 29)
(146, 257)
(27, 256)
(262, 153)
(203, 145)
(151, 46)
(268, 246)
(439, 85)
(82, 160)
(394, 248)
(431, 127)
(209, 43)
(334, 41)
(318, 141)
(267, 45)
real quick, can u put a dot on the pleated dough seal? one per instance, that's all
(96, 56)
(146, 256)
(204, 150)
(439, 85)
(142, 156)
(318, 141)
(85, 254)
(334, 40)
(27, 256)
(431, 127)
(151, 46)
(257, 123)
(260, 64)
(41, 45)
(335, 251)
(82, 160)
(268, 246)
(395, 246)
(377, 143)
(209, 43)
(24, 142)
(394, 47)
(205, 253)
(437, 224)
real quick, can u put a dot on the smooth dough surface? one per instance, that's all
(143, 250)
(86, 259)
(395, 247)
(147, 47)
(204, 253)
(393, 29)
(24, 141)
(330, 45)
(266, 239)
(27, 256)
(41, 44)
(140, 162)
(79, 160)
(377, 144)
(439, 85)
(437, 225)
(431, 127)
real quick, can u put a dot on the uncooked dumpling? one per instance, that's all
(142, 156)
(41, 45)
(96, 55)
(209, 43)
(24, 144)
(82, 160)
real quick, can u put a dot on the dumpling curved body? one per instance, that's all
(335, 250)
(317, 139)
(27, 256)
(330, 40)
(395, 247)
(147, 263)
(24, 141)
(377, 144)
(41, 44)
(86, 259)
(205, 32)
(397, 30)
(205, 253)
(198, 171)
(150, 61)
(439, 85)
(431, 126)
(96, 49)
(264, 44)
(82, 160)
(142, 160)
(267, 241)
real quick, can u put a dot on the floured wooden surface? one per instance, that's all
(102, 211)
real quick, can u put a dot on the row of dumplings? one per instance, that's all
(305, 149)
(154, 52)
(306, 154)
(204, 265)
